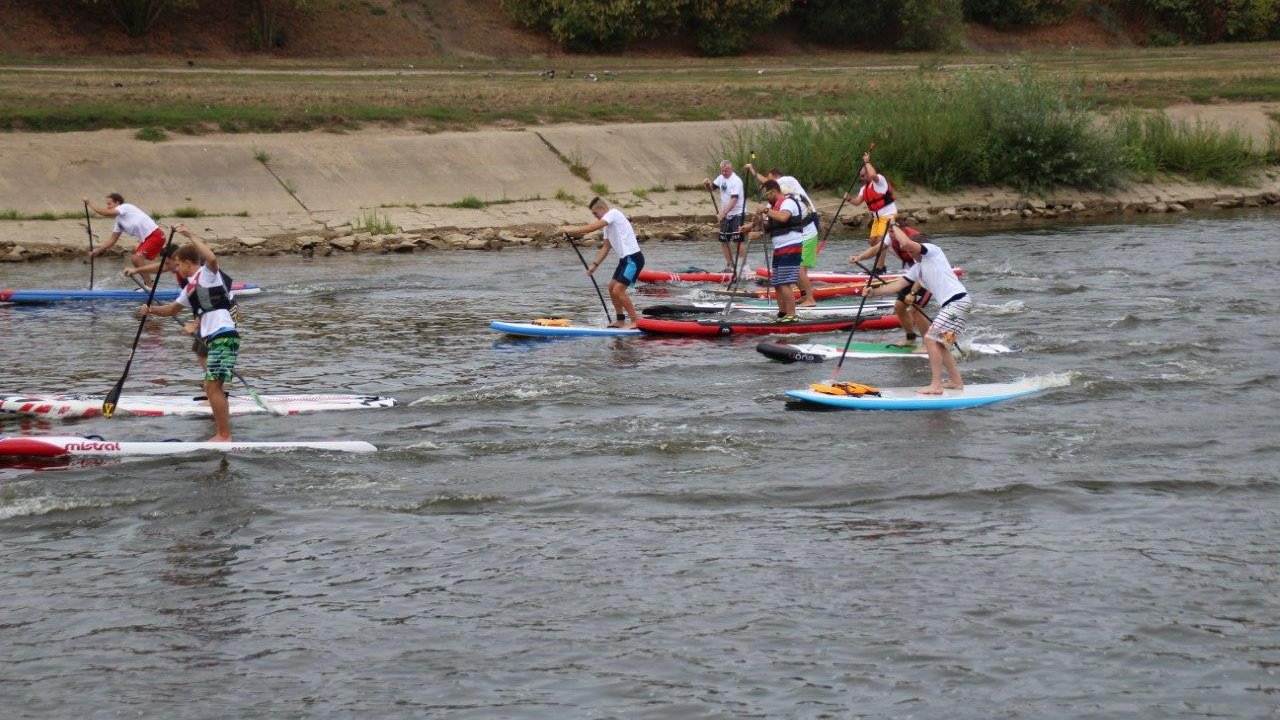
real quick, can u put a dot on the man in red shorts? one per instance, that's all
(130, 221)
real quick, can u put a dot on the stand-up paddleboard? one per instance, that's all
(538, 330)
(760, 307)
(83, 406)
(821, 292)
(821, 352)
(724, 327)
(909, 399)
(40, 297)
(662, 276)
(55, 446)
(838, 277)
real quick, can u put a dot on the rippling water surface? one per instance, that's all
(642, 528)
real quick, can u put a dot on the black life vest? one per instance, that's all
(796, 222)
(205, 299)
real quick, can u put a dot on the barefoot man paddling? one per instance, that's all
(932, 270)
(622, 238)
(130, 221)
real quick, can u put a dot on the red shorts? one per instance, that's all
(151, 247)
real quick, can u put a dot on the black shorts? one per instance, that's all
(629, 269)
(731, 229)
(922, 296)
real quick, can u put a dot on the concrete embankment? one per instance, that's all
(317, 193)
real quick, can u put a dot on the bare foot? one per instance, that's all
(953, 386)
(628, 326)
(930, 390)
(807, 303)
(220, 438)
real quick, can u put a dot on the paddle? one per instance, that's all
(857, 318)
(253, 393)
(113, 397)
(608, 317)
(737, 274)
(835, 217)
(89, 229)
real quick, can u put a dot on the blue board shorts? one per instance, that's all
(629, 268)
(786, 265)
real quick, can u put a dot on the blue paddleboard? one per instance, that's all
(167, 295)
(909, 399)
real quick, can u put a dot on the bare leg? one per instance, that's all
(138, 261)
(221, 410)
(806, 290)
(728, 258)
(787, 299)
(954, 381)
(622, 303)
(936, 353)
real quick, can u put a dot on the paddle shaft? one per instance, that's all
(109, 402)
(608, 315)
(857, 318)
(88, 228)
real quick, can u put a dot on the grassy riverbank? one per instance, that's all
(284, 96)
(1003, 128)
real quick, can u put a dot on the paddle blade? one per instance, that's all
(113, 397)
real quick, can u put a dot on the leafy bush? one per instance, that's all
(847, 22)
(137, 16)
(1204, 21)
(1156, 144)
(1020, 13)
(929, 24)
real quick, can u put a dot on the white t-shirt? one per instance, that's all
(213, 322)
(731, 187)
(935, 273)
(792, 186)
(619, 233)
(795, 237)
(132, 221)
(880, 185)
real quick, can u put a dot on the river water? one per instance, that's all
(641, 528)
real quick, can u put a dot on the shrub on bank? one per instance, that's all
(994, 128)
(1199, 21)
(1006, 14)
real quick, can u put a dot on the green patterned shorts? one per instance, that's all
(223, 352)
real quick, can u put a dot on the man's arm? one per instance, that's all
(149, 268)
(584, 229)
(115, 238)
(104, 212)
(169, 310)
(206, 255)
(891, 288)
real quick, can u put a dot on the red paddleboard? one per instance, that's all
(836, 277)
(722, 328)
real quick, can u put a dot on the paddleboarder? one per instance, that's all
(732, 211)
(130, 220)
(877, 193)
(915, 324)
(191, 327)
(782, 217)
(934, 272)
(622, 238)
(809, 245)
(207, 296)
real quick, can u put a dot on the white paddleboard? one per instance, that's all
(81, 406)
(55, 446)
(534, 330)
(901, 398)
(819, 352)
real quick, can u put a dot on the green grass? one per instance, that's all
(261, 156)
(566, 196)
(599, 188)
(374, 224)
(657, 188)
(188, 211)
(640, 193)
(470, 202)
(151, 134)
(1007, 128)
(12, 214)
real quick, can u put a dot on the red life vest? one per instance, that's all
(912, 233)
(875, 201)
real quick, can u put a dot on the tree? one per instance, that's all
(137, 16)
(268, 18)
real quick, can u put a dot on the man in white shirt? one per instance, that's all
(730, 214)
(934, 272)
(622, 239)
(877, 193)
(130, 221)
